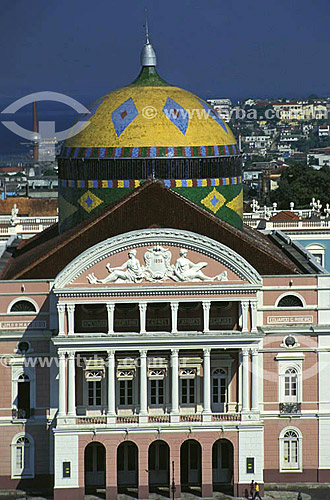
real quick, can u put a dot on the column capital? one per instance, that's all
(61, 354)
(254, 304)
(61, 307)
(255, 351)
(206, 304)
(245, 304)
(143, 353)
(143, 306)
(111, 353)
(71, 307)
(110, 306)
(207, 351)
(174, 352)
(174, 306)
(71, 354)
(245, 351)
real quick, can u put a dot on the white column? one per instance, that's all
(111, 314)
(254, 306)
(143, 314)
(61, 384)
(143, 383)
(206, 314)
(71, 384)
(255, 381)
(111, 383)
(174, 312)
(240, 379)
(245, 311)
(245, 391)
(70, 308)
(175, 380)
(61, 319)
(207, 380)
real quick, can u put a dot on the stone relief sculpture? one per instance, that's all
(158, 268)
(134, 272)
(185, 270)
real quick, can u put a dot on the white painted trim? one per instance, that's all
(30, 474)
(288, 293)
(281, 450)
(23, 313)
(169, 237)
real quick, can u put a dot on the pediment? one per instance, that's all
(156, 257)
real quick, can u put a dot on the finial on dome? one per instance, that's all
(148, 55)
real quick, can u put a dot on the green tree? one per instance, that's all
(300, 183)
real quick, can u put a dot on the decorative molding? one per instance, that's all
(156, 237)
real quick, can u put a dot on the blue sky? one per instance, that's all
(260, 48)
(214, 48)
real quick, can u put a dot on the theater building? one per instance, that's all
(150, 337)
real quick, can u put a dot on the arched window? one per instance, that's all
(22, 306)
(318, 252)
(219, 389)
(22, 457)
(290, 450)
(290, 301)
(291, 384)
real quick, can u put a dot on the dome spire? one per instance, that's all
(148, 55)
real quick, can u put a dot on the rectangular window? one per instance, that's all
(94, 393)
(126, 392)
(157, 392)
(188, 390)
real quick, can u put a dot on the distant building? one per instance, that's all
(324, 130)
(223, 107)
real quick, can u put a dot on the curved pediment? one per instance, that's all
(156, 256)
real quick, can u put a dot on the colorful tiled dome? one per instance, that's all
(150, 130)
(150, 115)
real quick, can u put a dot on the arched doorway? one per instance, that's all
(127, 466)
(191, 465)
(94, 467)
(223, 466)
(159, 465)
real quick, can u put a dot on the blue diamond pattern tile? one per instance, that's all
(214, 115)
(124, 115)
(177, 115)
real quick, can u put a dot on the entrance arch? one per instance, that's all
(223, 466)
(127, 466)
(191, 465)
(159, 465)
(95, 455)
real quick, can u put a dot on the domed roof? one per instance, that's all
(151, 118)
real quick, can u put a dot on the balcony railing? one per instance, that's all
(159, 419)
(91, 420)
(290, 408)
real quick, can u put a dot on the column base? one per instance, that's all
(175, 417)
(207, 490)
(143, 492)
(69, 494)
(143, 418)
(111, 419)
(250, 415)
(111, 493)
(207, 416)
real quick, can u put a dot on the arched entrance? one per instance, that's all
(223, 466)
(191, 465)
(94, 467)
(159, 465)
(127, 466)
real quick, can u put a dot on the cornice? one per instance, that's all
(149, 237)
